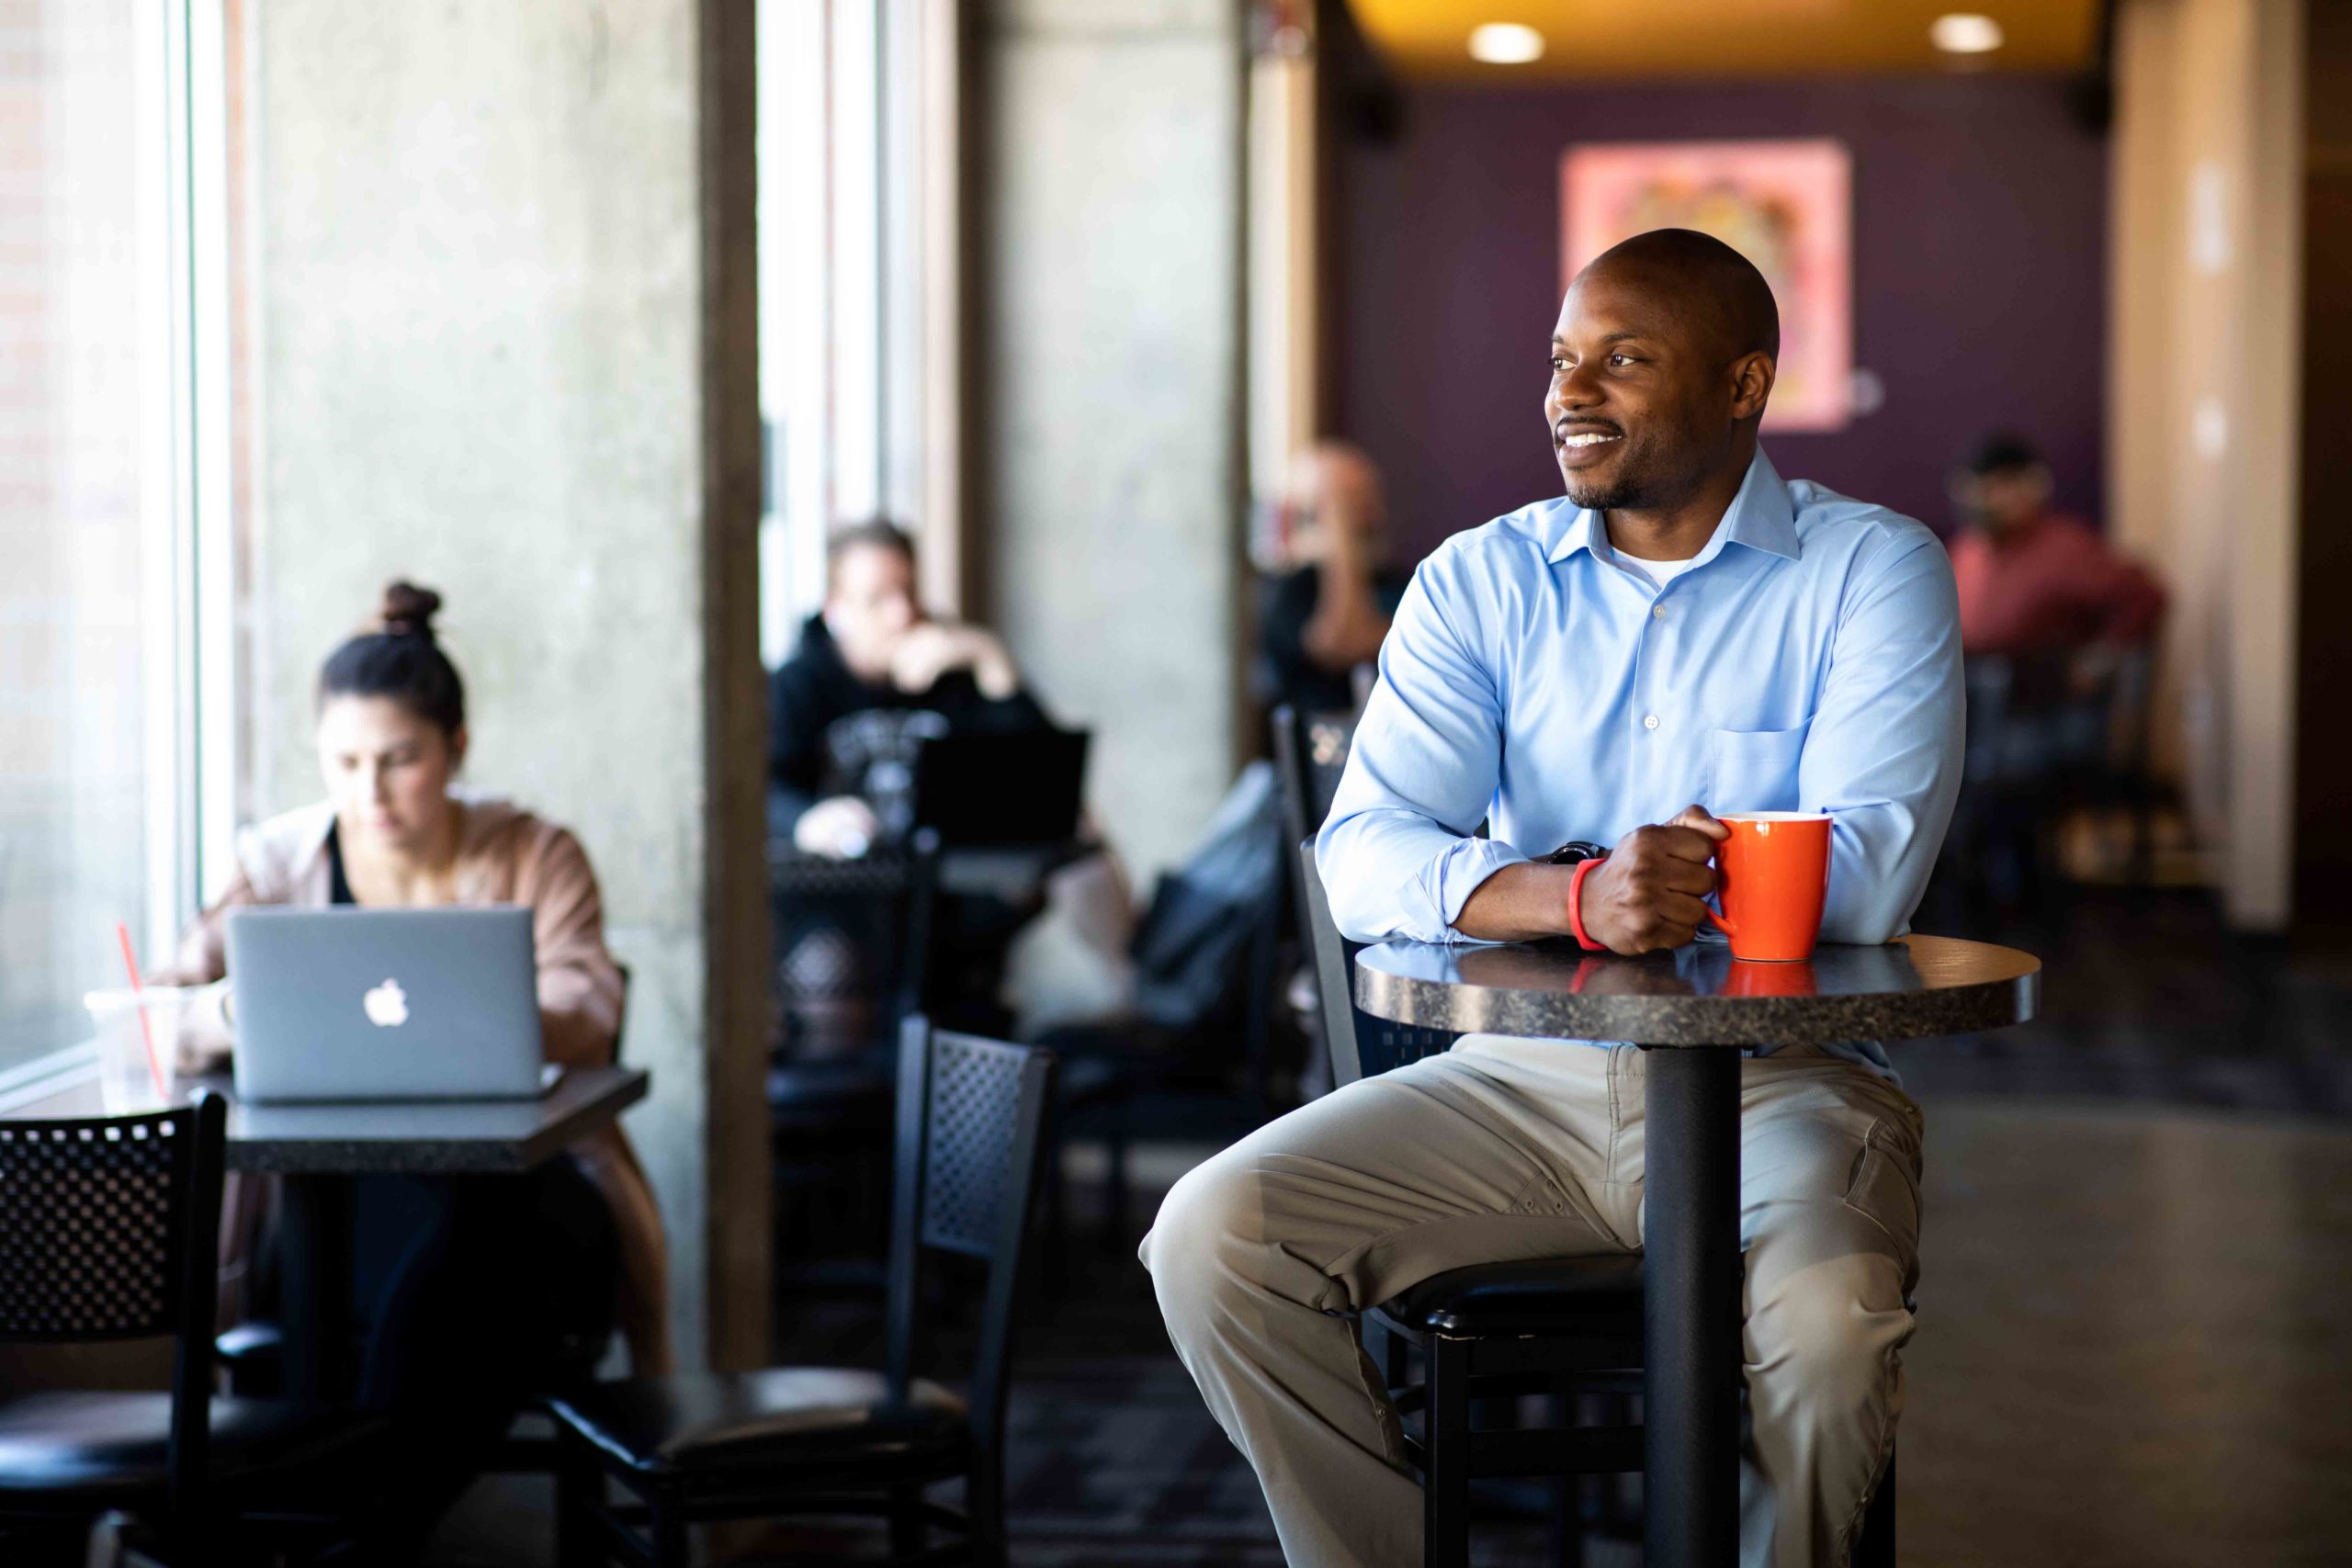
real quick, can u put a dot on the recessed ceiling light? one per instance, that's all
(1965, 32)
(1506, 43)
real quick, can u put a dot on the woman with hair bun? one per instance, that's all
(467, 1287)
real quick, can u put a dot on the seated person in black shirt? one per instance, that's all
(873, 676)
(1329, 601)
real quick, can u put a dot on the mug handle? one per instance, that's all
(1721, 922)
(1715, 917)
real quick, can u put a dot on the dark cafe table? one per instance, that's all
(317, 1149)
(1011, 872)
(1690, 1009)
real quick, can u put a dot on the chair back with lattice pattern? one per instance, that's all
(95, 1219)
(110, 1229)
(969, 1116)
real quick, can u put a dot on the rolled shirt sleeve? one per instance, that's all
(1396, 853)
(1882, 757)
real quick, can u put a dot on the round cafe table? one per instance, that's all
(1691, 1010)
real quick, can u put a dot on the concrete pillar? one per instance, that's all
(1110, 388)
(505, 328)
(2204, 388)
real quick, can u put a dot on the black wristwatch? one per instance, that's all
(1576, 850)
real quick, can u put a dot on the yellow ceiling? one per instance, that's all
(1594, 41)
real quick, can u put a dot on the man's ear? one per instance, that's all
(1751, 384)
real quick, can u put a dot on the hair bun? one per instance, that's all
(409, 610)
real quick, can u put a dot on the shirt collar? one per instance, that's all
(1763, 516)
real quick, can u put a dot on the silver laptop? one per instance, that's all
(384, 1004)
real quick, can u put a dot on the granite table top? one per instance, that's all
(1699, 994)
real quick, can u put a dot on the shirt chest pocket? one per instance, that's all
(1756, 770)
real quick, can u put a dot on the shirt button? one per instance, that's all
(1658, 612)
(1649, 721)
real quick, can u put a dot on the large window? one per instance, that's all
(858, 277)
(104, 468)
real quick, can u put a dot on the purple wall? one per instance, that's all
(1980, 213)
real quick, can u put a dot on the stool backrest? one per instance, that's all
(969, 1114)
(1311, 750)
(1361, 1044)
(110, 1229)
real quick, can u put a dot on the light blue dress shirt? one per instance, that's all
(1808, 660)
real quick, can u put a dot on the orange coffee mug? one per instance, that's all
(1772, 876)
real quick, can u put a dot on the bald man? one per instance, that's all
(1685, 633)
(1328, 606)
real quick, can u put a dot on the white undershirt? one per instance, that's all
(1659, 572)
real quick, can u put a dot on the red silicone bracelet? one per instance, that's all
(1576, 906)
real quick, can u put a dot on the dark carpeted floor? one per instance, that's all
(2148, 998)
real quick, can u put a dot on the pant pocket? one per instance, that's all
(1883, 1186)
(1543, 1195)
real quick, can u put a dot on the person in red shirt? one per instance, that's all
(2049, 616)
(2036, 583)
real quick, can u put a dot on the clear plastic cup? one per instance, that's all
(128, 1076)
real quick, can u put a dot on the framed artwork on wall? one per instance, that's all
(1785, 205)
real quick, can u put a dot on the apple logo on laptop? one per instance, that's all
(387, 1005)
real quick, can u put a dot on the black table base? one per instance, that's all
(314, 1264)
(1690, 1009)
(1690, 1308)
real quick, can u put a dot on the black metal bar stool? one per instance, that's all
(1568, 1328)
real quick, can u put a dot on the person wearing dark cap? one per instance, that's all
(2034, 581)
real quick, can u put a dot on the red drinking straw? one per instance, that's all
(146, 1029)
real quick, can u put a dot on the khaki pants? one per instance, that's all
(1506, 1148)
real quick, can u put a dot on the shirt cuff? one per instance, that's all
(1450, 879)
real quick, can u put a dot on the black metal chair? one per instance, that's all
(1570, 1328)
(1496, 1330)
(2049, 736)
(109, 1230)
(1310, 753)
(828, 1116)
(839, 1440)
(1311, 750)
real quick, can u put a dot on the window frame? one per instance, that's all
(193, 826)
(861, 289)
(185, 702)
(212, 690)
(188, 693)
